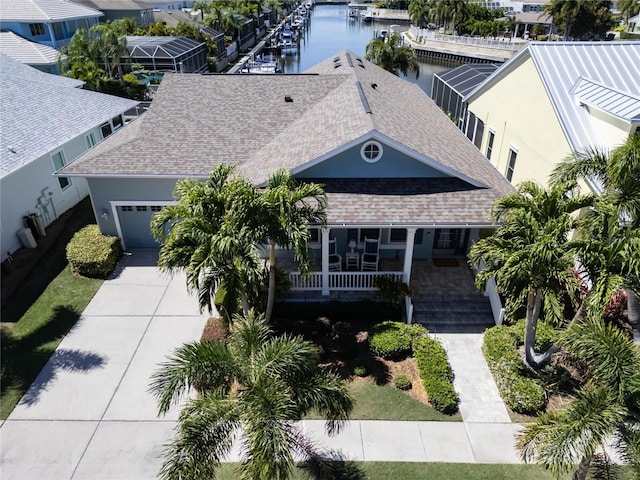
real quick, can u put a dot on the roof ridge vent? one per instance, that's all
(349, 61)
(360, 62)
(363, 97)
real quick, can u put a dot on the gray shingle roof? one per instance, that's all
(40, 112)
(107, 5)
(43, 11)
(26, 51)
(199, 121)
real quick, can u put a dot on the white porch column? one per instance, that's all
(325, 261)
(408, 254)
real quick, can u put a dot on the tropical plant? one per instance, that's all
(286, 210)
(563, 13)
(606, 408)
(251, 388)
(208, 235)
(419, 13)
(530, 255)
(628, 8)
(390, 54)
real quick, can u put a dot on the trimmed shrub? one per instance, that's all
(437, 376)
(629, 36)
(520, 390)
(92, 254)
(393, 339)
(360, 369)
(402, 382)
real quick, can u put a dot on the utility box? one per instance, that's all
(26, 237)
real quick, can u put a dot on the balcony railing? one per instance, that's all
(340, 281)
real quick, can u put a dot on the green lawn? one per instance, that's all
(36, 319)
(418, 471)
(384, 402)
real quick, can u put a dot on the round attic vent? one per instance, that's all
(371, 152)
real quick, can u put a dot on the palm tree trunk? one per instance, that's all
(633, 307)
(583, 469)
(271, 295)
(534, 305)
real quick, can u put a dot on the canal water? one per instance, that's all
(330, 30)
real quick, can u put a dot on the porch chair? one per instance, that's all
(335, 260)
(370, 255)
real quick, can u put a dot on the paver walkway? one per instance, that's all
(88, 415)
(479, 397)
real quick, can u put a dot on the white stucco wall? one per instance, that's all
(518, 109)
(33, 188)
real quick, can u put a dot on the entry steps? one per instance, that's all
(469, 313)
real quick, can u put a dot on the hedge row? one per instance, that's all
(393, 339)
(520, 390)
(92, 254)
(437, 376)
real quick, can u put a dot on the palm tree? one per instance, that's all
(607, 407)
(287, 209)
(530, 255)
(111, 46)
(253, 382)
(564, 12)
(207, 234)
(390, 54)
(628, 8)
(419, 12)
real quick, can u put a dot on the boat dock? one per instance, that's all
(429, 44)
(385, 15)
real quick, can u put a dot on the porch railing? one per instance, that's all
(340, 281)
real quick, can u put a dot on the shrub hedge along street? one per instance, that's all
(92, 254)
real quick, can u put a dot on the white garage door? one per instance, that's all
(135, 225)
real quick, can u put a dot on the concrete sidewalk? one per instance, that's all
(88, 414)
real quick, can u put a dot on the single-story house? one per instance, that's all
(395, 169)
(49, 22)
(552, 99)
(47, 121)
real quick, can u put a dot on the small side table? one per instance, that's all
(353, 260)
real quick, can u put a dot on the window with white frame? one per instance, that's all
(492, 136)
(117, 122)
(106, 129)
(90, 140)
(371, 152)
(397, 235)
(513, 154)
(58, 162)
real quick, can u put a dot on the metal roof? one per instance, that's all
(160, 47)
(619, 104)
(45, 111)
(614, 66)
(26, 51)
(108, 5)
(44, 11)
(465, 78)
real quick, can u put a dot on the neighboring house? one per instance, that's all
(552, 99)
(449, 88)
(524, 23)
(140, 11)
(633, 25)
(49, 22)
(30, 53)
(394, 167)
(171, 4)
(168, 54)
(47, 121)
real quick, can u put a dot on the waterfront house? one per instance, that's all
(168, 54)
(394, 167)
(49, 22)
(552, 99)
(47, 120)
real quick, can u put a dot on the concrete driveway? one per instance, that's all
(88, 414)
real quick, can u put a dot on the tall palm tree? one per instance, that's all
(112, 47)
(390, 54)
(606, 408)
(287, 210)
(530, 255)
(564, 12)
(207, 235)
(253, 382)
(419, 12)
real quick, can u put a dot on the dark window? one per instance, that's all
(156, 208)
(127, 208)
(492, 135)
(512, 164)
(117, 122)
(141, 208)
(369, 233)
(371, 151)
(314, 235)
(36, 29)
(105, 128)
(397, 235)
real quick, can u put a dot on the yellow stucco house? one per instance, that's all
(552, 99)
